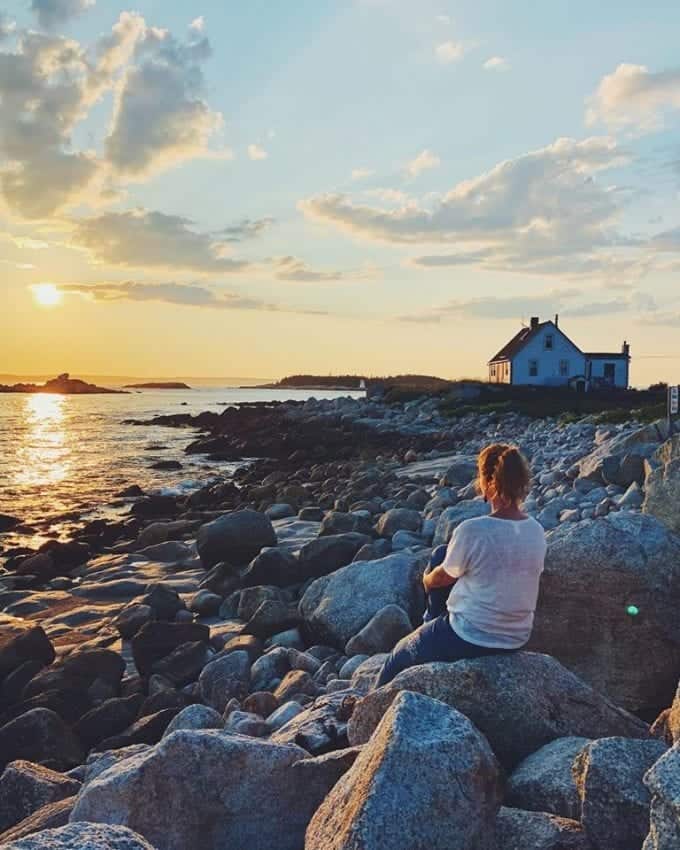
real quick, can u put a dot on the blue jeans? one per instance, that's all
(435, 640)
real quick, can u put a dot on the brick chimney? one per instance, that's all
(557, 320)
(625, 349)
(534, 323)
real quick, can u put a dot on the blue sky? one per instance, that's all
(370, 185)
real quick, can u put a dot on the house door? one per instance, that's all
(609, 373)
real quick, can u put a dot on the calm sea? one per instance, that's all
(64, 458)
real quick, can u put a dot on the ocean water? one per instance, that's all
(64, 458)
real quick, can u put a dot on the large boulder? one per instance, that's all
(544, 782)
(460, 472)
(156, 640)
(84, 836)
(521, 702)
(26, 787)
(236, 537)
(614, 460)
(427, 778)
(222, 791)
(451, 518)
(225, 678)
(520, 830)
(614, 800)
(594, 572)
(39, 736)
(663, 782)
(338, 606)
(662, 487)
(398, 519)
(326, 554)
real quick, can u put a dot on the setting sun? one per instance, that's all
(46, 295)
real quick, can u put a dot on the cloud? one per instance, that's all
(361, 173)
(25, 242)
(423, 162)
(496, 63)
(539, 304)
(198, 24)
(245, 229)
(256, 152)
(632, 95)
(52, 13)
(160, 118)
(450, 51)
(543, 210)
(179, 294)
(49, 84)
(296, 270)
(7, 26)
(151, 239)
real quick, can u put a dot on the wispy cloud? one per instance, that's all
(496, 63)
(178, 294)
(450, 51)
(361, 173)
(423, 162)
(296, 270)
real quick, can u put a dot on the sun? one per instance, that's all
(46, 295)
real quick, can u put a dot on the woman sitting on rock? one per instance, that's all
(481, 588)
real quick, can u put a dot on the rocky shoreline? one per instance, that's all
(199, 673)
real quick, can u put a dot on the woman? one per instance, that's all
(482, 589)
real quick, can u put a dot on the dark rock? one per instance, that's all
(271, 617)
(381, 633)
(50, 816)
(272, 566)
(338, 522)
(106, 720)
(236, 537)
(39, 736)
(163, 600)
(21, 642)
(184, 664)
(224, 678)
(151, 507)
(519, 830)
(8, 522)
(156, 640)
(146, 730)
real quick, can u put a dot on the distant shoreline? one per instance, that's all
(158, 385)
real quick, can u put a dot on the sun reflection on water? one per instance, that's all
(43, 451)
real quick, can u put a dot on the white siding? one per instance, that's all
(548, 360)
(597, 369)
(499, 372)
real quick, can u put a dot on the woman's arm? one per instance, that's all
(438, 577)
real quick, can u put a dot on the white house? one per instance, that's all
(543, 354)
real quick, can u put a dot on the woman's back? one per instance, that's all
(498, 563)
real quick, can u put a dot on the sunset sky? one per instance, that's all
(373, 186)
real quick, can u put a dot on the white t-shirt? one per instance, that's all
(498, 564)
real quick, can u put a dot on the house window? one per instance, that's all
(564, 368)
(609, 373)
(548, 342)
(533, 368)
(493, 371)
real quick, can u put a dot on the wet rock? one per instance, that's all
(521, 702)
(163, 600)
(132, 618)
(423, 758)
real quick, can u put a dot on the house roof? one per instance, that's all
(517, 343)
(600, 355)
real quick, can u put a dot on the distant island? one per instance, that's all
(61, 385)
(423, 383)
(159, 385)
